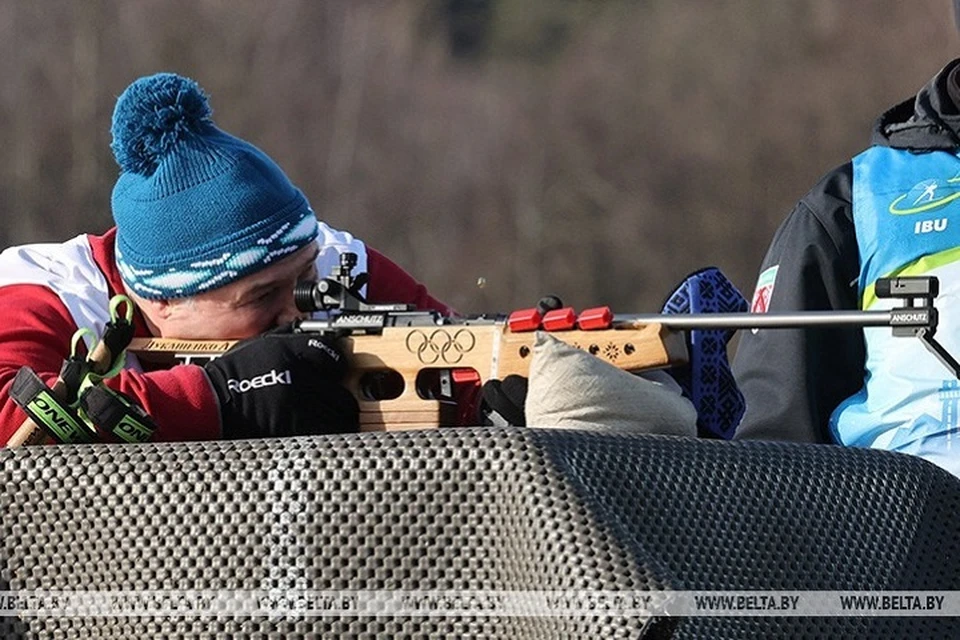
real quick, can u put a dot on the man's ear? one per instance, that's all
(157, 309)
(160, 315)
(156, 313)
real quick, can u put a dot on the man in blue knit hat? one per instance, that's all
(210, 239)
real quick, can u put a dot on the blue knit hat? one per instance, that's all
(196, 208)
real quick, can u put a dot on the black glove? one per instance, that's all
(282, 384)
(502, 402)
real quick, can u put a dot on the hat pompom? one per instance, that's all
(152, 116)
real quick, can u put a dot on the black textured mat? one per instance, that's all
(474, 509)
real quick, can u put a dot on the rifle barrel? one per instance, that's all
(787, 320)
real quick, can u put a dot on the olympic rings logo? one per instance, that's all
(440, 346)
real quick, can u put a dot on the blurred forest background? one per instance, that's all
(598, 150)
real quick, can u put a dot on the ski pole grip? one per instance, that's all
(29, 432)
(46, 412)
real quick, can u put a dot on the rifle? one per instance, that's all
(402, 362)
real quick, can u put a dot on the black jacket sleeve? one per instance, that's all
(792, 379)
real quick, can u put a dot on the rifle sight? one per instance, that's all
(308, 297)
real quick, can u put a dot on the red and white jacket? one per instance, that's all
(47, 291)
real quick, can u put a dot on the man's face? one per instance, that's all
(245, 308)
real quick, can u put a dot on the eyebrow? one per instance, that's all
(252, 294)
(258, 289)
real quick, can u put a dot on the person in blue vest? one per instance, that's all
(893, 210)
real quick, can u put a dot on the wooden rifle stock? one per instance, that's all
(415, 353)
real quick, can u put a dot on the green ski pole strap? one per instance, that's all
(118, 332)
(115, 413)
(47, 411)
(116, 337)
(76, 367)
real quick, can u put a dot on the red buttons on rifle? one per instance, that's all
(596, 318)
(560, 319)
(524, 320)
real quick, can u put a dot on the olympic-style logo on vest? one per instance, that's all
(440, 345)
(927, 195)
